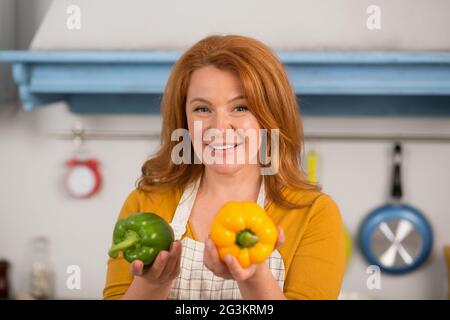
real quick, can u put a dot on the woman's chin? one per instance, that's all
(225, 168)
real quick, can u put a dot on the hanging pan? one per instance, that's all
(396, 237)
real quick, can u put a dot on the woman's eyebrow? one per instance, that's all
(206, 101)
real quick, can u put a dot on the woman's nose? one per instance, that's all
(222, 121)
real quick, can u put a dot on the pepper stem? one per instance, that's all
(246, 238)
(131, 237)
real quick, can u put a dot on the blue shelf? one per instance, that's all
(332, 84)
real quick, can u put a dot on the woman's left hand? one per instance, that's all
(232, 269)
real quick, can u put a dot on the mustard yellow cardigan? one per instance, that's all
(313, 253)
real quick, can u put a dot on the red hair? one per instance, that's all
(272, 101)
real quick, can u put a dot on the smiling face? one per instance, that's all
(229, 131)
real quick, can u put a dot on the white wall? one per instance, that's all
(285, 24)
(356, 174)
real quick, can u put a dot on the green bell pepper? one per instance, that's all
(141, 236)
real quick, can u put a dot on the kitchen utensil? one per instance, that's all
(396, 237)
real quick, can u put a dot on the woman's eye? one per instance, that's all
(201, 109)
(241, 108)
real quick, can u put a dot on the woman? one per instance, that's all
(232, 83)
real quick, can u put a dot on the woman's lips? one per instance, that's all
(223, 147)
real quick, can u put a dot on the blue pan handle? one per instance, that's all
(397, 191)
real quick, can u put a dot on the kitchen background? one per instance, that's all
(33, 201)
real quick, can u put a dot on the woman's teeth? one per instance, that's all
(223, 146)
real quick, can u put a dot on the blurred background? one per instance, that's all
(48, 228)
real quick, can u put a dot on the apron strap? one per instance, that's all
(183, 211)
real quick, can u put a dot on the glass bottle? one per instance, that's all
(41, 270)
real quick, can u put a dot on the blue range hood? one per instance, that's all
(327, 84)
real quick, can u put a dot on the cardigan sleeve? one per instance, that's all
(318, 264)
(118, 276)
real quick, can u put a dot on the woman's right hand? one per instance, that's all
(155, 281)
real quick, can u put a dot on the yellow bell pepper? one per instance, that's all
(244, 230)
